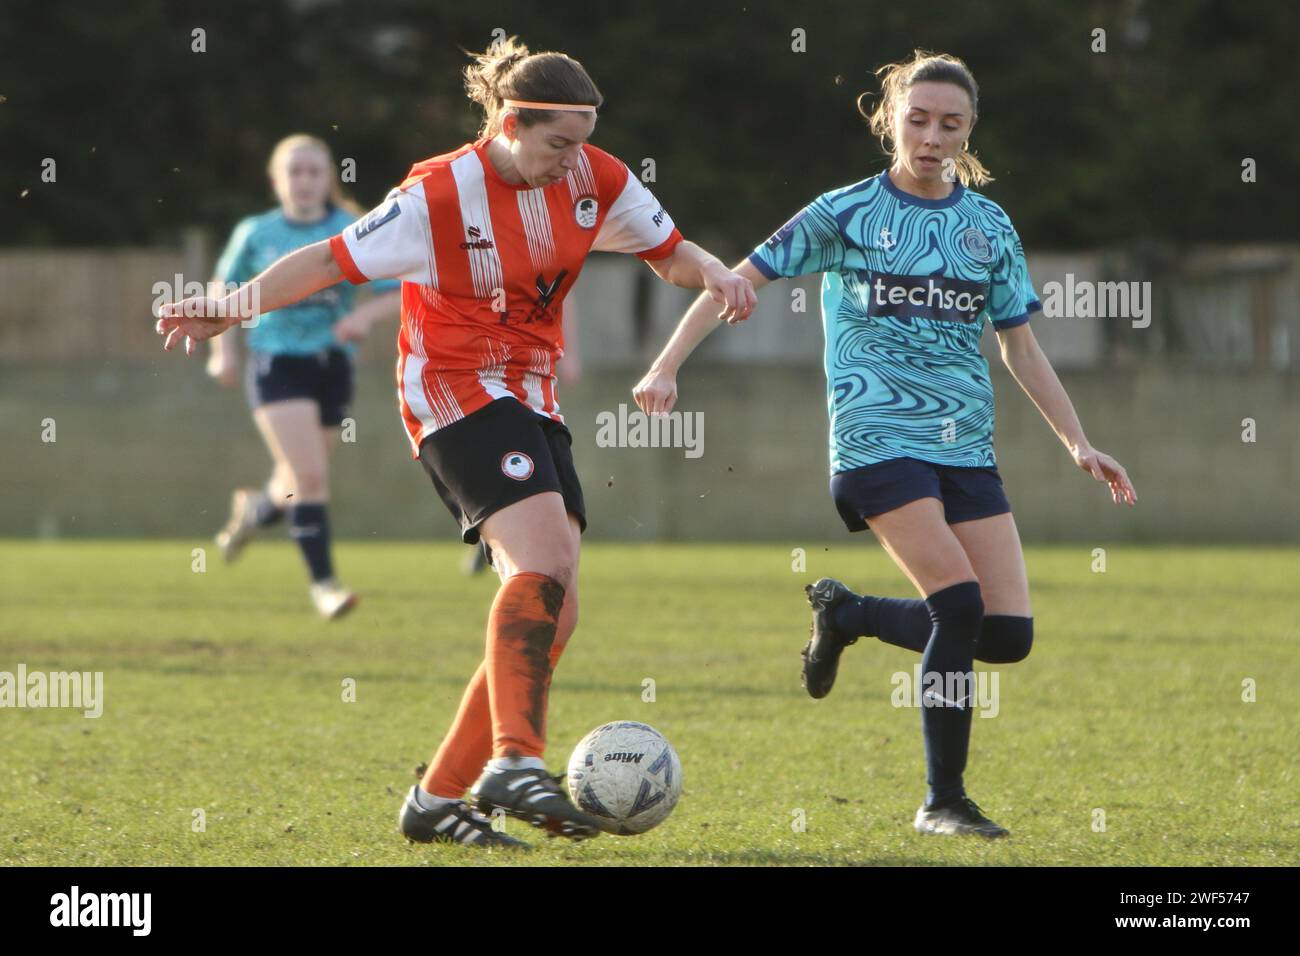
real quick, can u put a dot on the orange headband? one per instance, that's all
(529, 105)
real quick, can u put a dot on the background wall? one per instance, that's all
(1130, 142)
(152, 447)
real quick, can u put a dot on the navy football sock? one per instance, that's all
(309, 526)
(902, 621)
(947, 686)
(905, 622)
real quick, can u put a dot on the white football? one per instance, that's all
(626, 775)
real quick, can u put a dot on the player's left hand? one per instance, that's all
(351, 328)
(734, 293)
(1105, 468)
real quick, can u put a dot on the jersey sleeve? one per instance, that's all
(392, 241)
(637, 223)
(1011, 292)
(235, 263)
(810, 242)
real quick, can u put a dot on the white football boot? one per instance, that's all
(332, 599)
(240, 529)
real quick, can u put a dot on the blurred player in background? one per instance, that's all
(914, 261)
(488, 240)
(299, 378)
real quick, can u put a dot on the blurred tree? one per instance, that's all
(1144, 140)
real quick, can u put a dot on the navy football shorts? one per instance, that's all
(967, 493)
(325, 377)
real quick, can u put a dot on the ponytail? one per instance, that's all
(507, 71)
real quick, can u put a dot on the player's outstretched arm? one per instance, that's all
(294, 277)
(1030, 367)
(656, 393)
(693, 268)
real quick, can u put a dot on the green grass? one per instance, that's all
(223, 692)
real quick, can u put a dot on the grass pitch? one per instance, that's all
(1124, 739)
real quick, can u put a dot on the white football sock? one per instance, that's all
(517, 763)
(429, 801)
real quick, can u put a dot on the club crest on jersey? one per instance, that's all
(517, 465)
(585, 211)
(976, 245)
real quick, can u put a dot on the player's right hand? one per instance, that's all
(733, 292)
(656, 393)
(193, 320)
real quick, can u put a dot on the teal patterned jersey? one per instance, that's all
(908, 284)
(307, 326)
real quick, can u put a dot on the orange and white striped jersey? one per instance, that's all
(485, 266)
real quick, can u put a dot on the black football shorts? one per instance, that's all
(502, 453)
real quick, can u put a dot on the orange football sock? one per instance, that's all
(469, 743)
(521, 635)
(467, 746)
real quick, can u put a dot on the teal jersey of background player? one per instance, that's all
(908, 283)
(306, 327)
